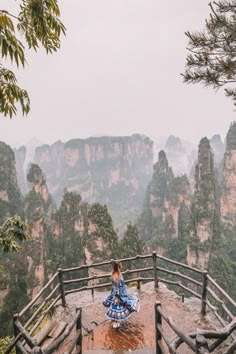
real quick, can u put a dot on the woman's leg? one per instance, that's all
(114, 324)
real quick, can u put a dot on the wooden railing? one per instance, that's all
(196, 341)
(34, 345)
(196, 282)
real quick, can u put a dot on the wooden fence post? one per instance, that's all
(154, 261)
(204, 292)
(62, 290)
(15, 318)
(201, 345)
(36, 350)
(158, 321)
(79, 328)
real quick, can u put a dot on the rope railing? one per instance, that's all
(201, 288)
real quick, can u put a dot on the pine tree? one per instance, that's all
(131, 245)
(211, 60)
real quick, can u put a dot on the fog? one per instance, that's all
(118, 73)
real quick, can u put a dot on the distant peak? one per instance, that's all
(173, 143)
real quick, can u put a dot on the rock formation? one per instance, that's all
(20, 156)
(203, 208)
(38, 207)
(166, 195)
(12, 275)
(218, 148)
(81, 233)
(228, 196)
(10, 198)
(110, 170)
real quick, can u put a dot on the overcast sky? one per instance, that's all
(118, 73)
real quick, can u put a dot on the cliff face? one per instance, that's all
(51, 160)
(10, 198)
(228, 196)
(38, 208)
(204, 208)
(218, 148)
(12, 270)
(20, 157)
(81, 233)
(111, 170)
(167, 198)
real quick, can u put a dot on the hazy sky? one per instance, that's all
(118, 73)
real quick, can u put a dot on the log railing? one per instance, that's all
(196, 282)
(196, 341)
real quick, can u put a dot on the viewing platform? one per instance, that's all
(138, 332)
(67, 315)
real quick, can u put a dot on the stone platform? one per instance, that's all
(137, 334)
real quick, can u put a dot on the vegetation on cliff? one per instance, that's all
(10, 197)
(231, 137)
(204, 202)
(12, 232)
(164, 205)
(79, 232)
(64, 244)
(109, 170)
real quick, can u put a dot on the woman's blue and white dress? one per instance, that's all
(127, 303)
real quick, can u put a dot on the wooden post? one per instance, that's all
(158, 321)
(16, 318)
(154, 261)
(202, 345)
(36, 350)
(60, 276)
(204, 292)
(79, 328)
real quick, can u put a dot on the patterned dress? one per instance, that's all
(127, 303)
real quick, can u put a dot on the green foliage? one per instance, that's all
(12, 232)
(4, 343)
(203, 204)
(177, 186)
(66, 248)
(10, 203)
(131, 245)
(177, 248)
(156, 223)
(11, 94)
(35, 205)
(212, 51)
(222, 262)
(17, 295)
(35, 174)
(38, 22)
(98, 215)
(162, 175)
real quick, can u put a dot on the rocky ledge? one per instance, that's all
(137, 334)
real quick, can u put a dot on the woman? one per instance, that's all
(120, 304)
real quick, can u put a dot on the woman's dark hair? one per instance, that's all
(116, 268)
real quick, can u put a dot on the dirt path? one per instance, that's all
(138, 331)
